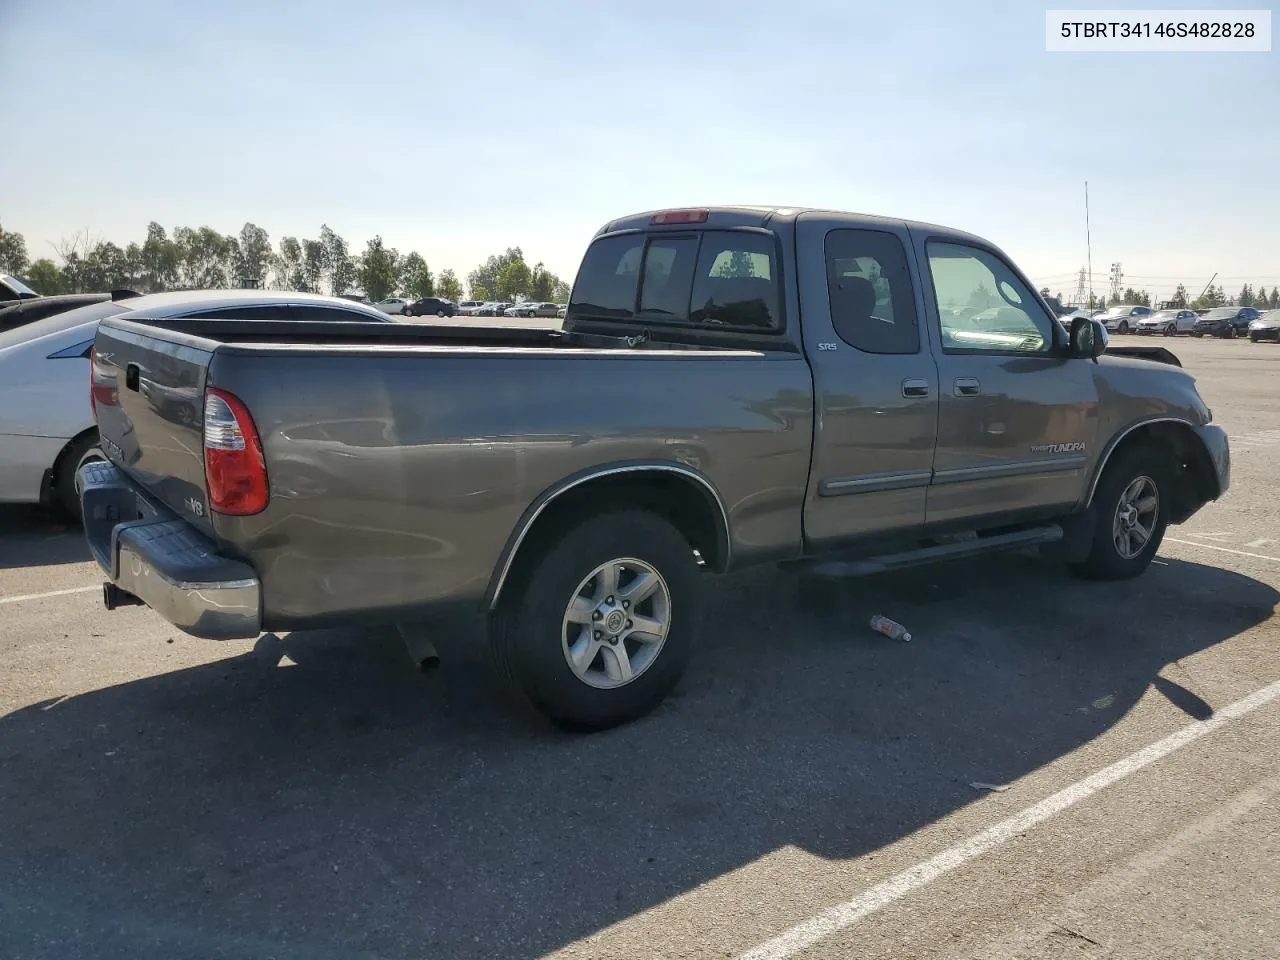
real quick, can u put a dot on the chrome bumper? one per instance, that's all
(151, 553)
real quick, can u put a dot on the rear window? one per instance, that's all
(61, 321)
(720, 278)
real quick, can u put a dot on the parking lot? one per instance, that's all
(312, 796)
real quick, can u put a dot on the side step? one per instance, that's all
(970, 547)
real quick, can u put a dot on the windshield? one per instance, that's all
(60, 321)
(1116, 311)
(18, 287)
(1169, 314)
(1222, 313)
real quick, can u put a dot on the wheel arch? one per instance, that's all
(677, 492)
(1194, 478)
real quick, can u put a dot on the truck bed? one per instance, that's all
(402, 457)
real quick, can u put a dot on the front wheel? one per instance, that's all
(1253, 338)
(601, 628)
(1131, 515)
(1171, 330)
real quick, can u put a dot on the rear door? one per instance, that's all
(875, 382)
(1017, 418)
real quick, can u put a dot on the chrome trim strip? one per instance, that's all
(1016, 468)
(596, 475)
(1115, 442)
(873, 483)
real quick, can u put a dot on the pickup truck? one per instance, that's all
(731, 386)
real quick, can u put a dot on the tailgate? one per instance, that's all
(149, 399)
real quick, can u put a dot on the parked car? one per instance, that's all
(431, 307)
(356, 298)
(530, 308)
(561, 310)
(1169, 322)
(1265, 327)
(1227, 322)
(1124, 317)
(485, 309)
(300, 497)
(393, 305)
(468, 308)
(499, 308)
(46, 421)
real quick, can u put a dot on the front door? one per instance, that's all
(875, 383)
(1017, 417)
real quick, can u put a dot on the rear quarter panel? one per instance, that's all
(398, 477)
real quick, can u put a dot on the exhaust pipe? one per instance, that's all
(113, 596)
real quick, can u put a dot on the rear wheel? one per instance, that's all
(84, 449)
(1231, 333)
(1131, 515)
(600, 630)
(1123, 327)
(439, 313)
(1253, 338)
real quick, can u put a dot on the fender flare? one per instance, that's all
(553, 493)
(1116, 441)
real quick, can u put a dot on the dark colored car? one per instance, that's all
(18, 313)
(1227, 322)
(431, 307)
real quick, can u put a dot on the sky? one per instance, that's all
(462, 128)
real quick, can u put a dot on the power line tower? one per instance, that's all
(1117, 277)
(1080, 300)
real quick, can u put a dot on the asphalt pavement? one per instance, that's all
(1049, 769)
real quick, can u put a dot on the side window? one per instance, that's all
(256, 312)
(329, 315)
(869, 290)
(668, 276)
(736, 281)
(982, 306)
(608, 278)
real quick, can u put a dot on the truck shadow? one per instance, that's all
(35, 536)
(314, 797)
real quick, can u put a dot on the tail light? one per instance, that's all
(679, 216)
(234, 468)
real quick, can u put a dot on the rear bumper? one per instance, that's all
(149, 552)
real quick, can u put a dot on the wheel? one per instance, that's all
(82, 450)
(1123, 327)
(439, 313)
(1253, 338)
(1130, 515)
(1230, 334)
(1171, 330)
(601, 628)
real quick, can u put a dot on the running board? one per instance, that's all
(970, 547)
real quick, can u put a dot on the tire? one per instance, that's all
(530, 637)
(1230, 334)
(440, 313)
(84, 449)
(1171, 330)
(1123, 327)
(1253, 338)
(1138, 469)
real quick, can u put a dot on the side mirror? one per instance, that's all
(1088, 338)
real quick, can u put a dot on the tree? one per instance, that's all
(45, 277)
(377, 271)
(1245, 299)
(253, 256)
(513, 280)
(1274, 300)
(204, 258)
(159, 260)
(560, 292)
(13, 252)
(314, 265)
(287, 265)
(1179, 297)
(483, 280)
(342, 269)
(447, 286)
(414, 277)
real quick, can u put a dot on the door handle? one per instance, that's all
(915, 388)
(968, 387)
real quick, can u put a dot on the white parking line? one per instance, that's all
(805, 934)
(1210, 546)
(51, 593)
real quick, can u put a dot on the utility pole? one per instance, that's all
(1208, 285)
(1088, 241)
(1082, 292)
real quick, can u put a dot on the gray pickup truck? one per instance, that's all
(731, 386)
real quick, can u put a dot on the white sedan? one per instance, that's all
(46, 421)
(1169, 322)
(393, 305)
